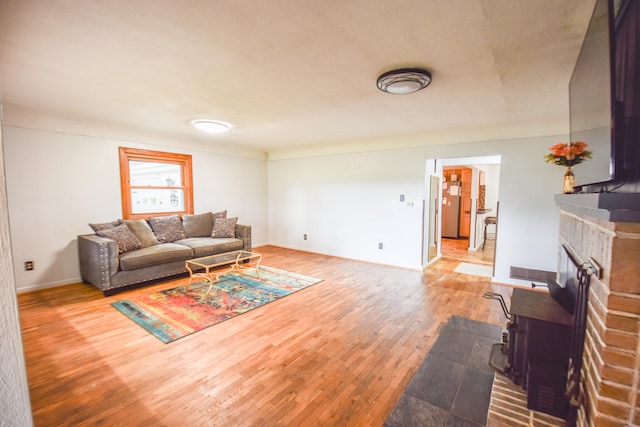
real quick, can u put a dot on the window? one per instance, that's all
(155, 183)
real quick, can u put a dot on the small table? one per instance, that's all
(211, 262)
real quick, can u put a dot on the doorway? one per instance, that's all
(466, 200)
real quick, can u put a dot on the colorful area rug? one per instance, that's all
(174, 313)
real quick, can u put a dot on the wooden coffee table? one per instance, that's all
(202, 267)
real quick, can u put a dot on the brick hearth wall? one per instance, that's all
(611, 370)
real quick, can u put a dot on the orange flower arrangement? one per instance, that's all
(568, 154)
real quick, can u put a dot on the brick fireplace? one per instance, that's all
(606, 228)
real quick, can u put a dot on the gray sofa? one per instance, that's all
(113, 259)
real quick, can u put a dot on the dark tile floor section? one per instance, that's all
(452, 387)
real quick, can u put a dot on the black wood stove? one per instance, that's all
(535, 350)
(541, 348)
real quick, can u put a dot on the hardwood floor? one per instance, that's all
(338, 353)
(459, 249)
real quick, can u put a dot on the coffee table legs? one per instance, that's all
(235, 268)
(225, 293)
(212, 282)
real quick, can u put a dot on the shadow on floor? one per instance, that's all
(452, 387)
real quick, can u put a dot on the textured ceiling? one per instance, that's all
(289, 73)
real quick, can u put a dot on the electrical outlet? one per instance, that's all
(380, 245)
(28, 265)
(305, 237)
(402, 197)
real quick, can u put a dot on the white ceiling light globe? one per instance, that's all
(211, 126)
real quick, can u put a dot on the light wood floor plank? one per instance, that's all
(338, 353)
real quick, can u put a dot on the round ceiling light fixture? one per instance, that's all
(404, 80)
(211, 126)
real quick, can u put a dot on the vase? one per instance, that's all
(569, 181)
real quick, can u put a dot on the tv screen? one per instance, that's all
(604, 100)
(590, 99)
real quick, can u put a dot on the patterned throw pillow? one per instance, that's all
(224, 227)
(126, 240)
(141, 229)
(104, 225)
(221, 214)
(168, 228)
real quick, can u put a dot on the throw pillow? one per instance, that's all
(224, 227)
(141, 229)
(221, 214)
(199, 225)
(126, 240)
(168, 228)
(103, 226)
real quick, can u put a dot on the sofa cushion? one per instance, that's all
(142, 230)
(224, 227)
(167, 228)
(199, 225)
(126, 240)
(154, 255)
(204, 246)
(103, 225)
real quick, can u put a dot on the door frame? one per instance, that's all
(434, 166)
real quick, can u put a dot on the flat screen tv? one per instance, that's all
(604, 95)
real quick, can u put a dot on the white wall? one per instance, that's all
(529, 218)
(492, 182)
(58, 183)
(528, 215)
(347, 203)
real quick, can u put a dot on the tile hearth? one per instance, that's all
(452, 387)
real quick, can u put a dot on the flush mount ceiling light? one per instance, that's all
(404, 80)
(211, 126)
